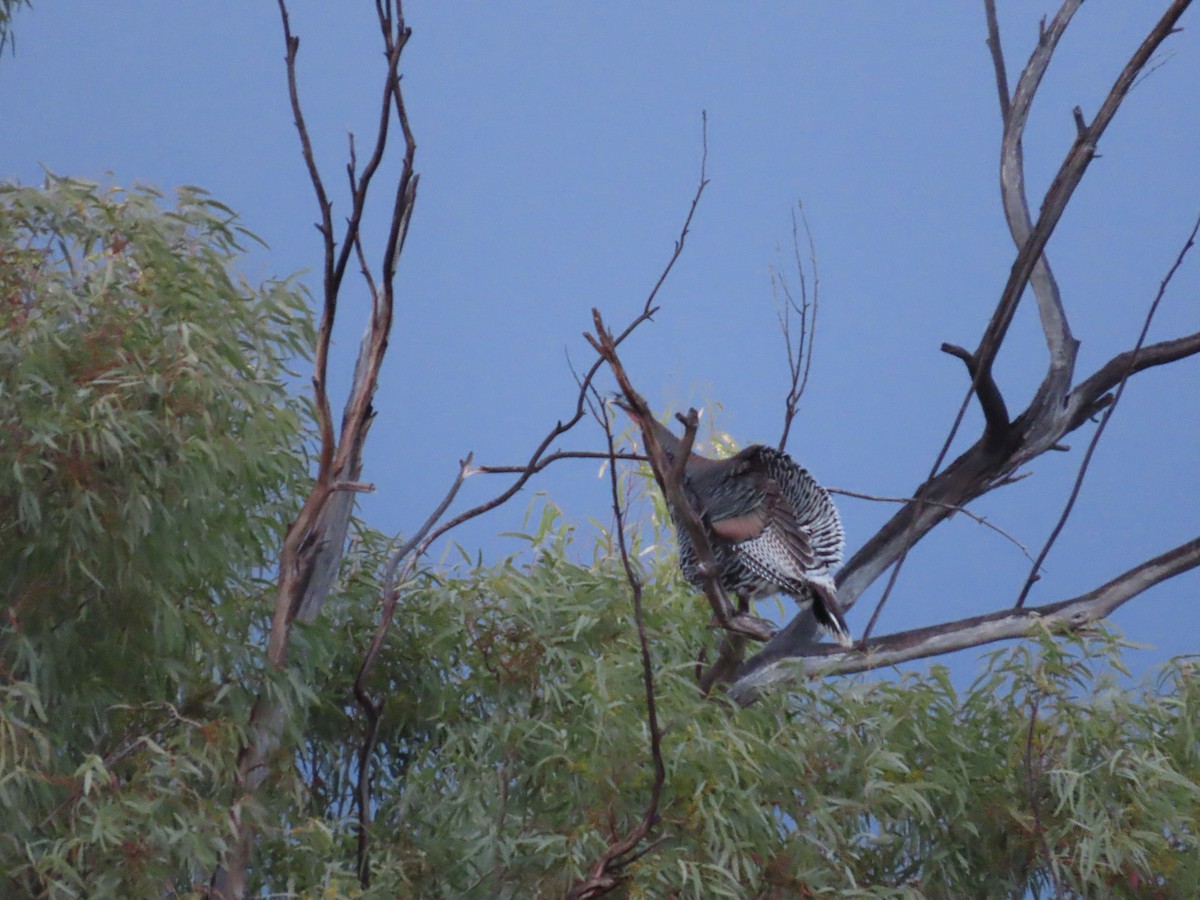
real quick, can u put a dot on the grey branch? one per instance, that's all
(1057, 409)
(1073, 615)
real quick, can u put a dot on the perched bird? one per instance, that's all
(772, 528)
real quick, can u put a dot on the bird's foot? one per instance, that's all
(751, 626)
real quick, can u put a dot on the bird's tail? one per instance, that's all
(828, 613)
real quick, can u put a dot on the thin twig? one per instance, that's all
(1091, 448)
(325, 227)
(1056, 410)
(647, 312)
(800, 353)
(373, 710)
(1031, 790)
(404, 560)
(604, 875)
(555, 457)
(950, 506)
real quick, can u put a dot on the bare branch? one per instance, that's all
(537, 460)
(1073, 167)
(995, 411)
(1073, 615)
(313, 546)
(404, 561)
(604, 876)
(993, 44)
(799, 353)
(1087, 456)
(1015, 114)
(325, 227)
(991, 463)
(1088, 397)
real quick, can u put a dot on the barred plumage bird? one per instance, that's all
(772, 528)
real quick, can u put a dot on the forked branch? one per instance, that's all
(802, 314)
(313, 546)
(1056, 409)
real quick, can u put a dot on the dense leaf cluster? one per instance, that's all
(518, 748)
(150, 457)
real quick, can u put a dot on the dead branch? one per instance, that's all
(1071, 171)
(991, 401)
(1056, 409)
(1090, 395)
(605, 874)
(313, 546)
(979, 366)
(1014, 114)
(1074, 615)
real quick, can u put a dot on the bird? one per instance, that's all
(772, 528)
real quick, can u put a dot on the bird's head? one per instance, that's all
(666, 439)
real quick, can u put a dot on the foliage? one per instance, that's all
(7, 8)
(515, 747)
(149, 461)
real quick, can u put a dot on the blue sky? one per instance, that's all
(559, 146)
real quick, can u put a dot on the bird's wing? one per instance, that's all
(771, 511)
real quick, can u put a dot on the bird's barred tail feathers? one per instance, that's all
(828, 614)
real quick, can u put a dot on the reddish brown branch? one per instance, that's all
(313, 546)
(669, 475)
(325, 227)
(404, 561)
(555, 457)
